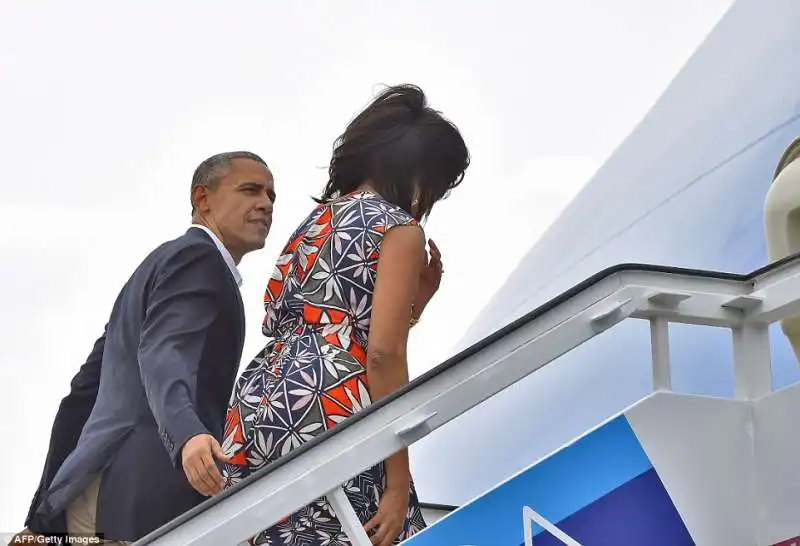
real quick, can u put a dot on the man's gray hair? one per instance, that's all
(212, 170)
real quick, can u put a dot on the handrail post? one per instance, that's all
(752, 361)
(659, 342)
(351, 525)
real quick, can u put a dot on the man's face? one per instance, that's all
(239, 209)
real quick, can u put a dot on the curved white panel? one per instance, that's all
(685, 189)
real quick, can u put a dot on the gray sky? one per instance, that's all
(106, 108)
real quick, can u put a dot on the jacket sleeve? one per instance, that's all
(73, 412)
(180, 308)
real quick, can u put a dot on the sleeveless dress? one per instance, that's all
(312, 374)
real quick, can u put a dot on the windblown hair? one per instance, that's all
(398, 143)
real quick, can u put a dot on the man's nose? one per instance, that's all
(266, 205)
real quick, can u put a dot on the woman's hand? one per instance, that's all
(429, 279)
(388, 522)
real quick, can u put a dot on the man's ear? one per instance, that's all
(200, 199)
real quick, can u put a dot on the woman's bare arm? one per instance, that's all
(399, 265)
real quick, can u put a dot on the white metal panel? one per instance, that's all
(702, 450)
(777, 473)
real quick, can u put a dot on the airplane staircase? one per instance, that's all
(672, 469)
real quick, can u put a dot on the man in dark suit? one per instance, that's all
(157, 383)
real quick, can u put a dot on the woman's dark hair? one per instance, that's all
(399, 142)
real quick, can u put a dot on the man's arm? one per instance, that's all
(71, 416)
(180, 309)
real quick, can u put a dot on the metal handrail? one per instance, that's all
(746, 304)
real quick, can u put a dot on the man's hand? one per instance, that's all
(197, 458)
(429, 278)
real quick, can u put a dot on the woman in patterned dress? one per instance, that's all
(349, 284)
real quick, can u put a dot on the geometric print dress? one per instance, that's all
(312, 373)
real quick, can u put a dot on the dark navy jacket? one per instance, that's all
(169, 361)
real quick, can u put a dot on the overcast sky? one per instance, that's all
(107, 107)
